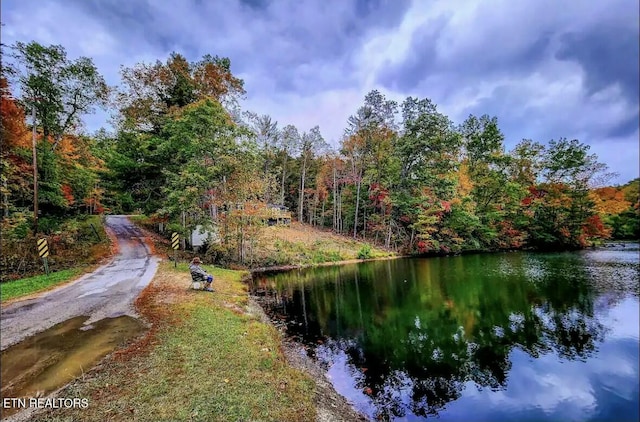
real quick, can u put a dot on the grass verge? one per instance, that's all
(23, 287)
(206, 358)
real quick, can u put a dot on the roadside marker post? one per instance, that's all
(175, 243)
(43, 252)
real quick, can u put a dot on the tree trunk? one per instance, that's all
(335, 199)
(284, 175)
(355, 219)
(301, 200)
(35, 168)
(364, 222)
(183, 241)
(388, 242)
(340, 221)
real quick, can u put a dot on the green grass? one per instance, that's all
(211, 362)
(226, 367)
(25, 286)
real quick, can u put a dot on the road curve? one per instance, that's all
(107, 292)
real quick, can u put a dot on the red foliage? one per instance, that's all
(67, 192)
(594, 227)
(509, 237)
(14, 131)
(534, 193)
(378, 195)
(157, 218)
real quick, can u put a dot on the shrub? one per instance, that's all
(364, 252)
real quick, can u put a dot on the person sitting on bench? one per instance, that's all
(200, 275)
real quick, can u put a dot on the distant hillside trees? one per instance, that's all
(403, 176)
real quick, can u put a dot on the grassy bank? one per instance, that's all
(275, 246)
(301, 244)
(206, 358)
(26, 286)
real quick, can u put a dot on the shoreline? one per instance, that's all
(283, 268)
(330, 404)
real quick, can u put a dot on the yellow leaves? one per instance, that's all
(67, 149)
(465, 185)
(609, 200)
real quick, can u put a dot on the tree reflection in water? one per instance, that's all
(416, 331)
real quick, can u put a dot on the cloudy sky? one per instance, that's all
(546, 68)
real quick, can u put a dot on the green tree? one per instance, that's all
(493, 190)
(289, 145)
(267, 136)
(311, 143)
(428, 151)
(61, 90)
(150, 92)
(368, 145)
(197, 151)
(562, 214)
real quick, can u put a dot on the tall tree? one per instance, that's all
(60, 90)
(150, 91)
(562, 214)
(14, 143)
(488, 166)
(198, 151)
(368, 136)
(289, 145)
(311, 143)
(267, 136)
(428, 151)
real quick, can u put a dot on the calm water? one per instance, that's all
(515, 336)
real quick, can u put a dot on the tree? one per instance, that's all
(61, 90)
(311, 143)
(562, 214)
(267, 135)
(151, 91)
(197, 151)
(14, 144)
(526, 162)
(495, 193)
(428, 152)
(368, 140)
(289, 145)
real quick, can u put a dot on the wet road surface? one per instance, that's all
(107, 292)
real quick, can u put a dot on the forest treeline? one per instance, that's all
(403, 176)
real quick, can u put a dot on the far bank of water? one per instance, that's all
(524, 336)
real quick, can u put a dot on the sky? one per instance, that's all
(547, 69)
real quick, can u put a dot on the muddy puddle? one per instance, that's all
(47, 361)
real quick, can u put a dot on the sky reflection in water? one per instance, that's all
(481, 337)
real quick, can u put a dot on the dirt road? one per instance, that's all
(107, 292)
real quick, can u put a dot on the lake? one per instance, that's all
(505, 336)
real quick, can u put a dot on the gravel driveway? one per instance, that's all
(107, 292)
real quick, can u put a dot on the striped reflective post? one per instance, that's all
(43, 252)
(175, 244)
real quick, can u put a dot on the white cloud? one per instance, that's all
(312, 62)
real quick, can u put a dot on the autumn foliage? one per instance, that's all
(404, 176)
